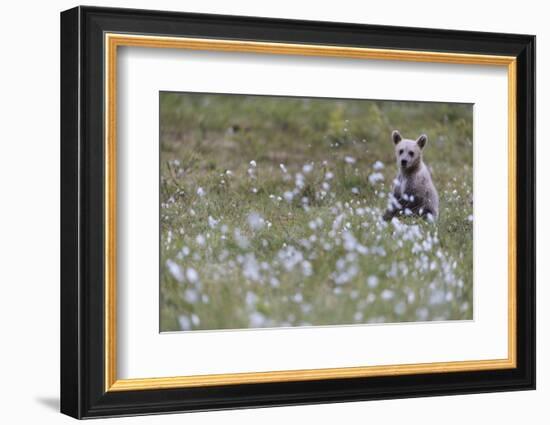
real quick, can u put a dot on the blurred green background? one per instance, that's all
(271, 213)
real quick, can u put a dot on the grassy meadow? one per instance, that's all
(271, 213)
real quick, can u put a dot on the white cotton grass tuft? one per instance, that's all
(212, 222)
(307, 268)
(251, 268)
(191, 296)
(175, 270)
(240, 239)
(377, 166)
(289, 196)
(251, 299)
(184, 322)
(257, 320)
(387, 294)
(192, 275)
(422, 314)
(400, 308)
(372, 281)
(200, 239)
(255, 221)
(299, 180)
(195, 320)
(375, 178)
(290, 257)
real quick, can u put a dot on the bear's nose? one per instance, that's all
(403, 162)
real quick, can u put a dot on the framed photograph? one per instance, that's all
(261, 212)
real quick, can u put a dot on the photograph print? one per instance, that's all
(294, 211)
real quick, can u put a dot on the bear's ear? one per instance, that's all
(422, 140)
(396, 137)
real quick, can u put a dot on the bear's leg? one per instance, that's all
(428, 214)
(389, 214)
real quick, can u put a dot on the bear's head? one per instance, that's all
(408, 152)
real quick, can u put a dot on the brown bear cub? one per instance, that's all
(413, 192)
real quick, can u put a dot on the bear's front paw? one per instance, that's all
(388, 215)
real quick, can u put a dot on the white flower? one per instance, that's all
(191, 296)
(387, 294)
(200, 239)
(350, 243)
(240, 239)
(298, 298)
(185, 323)
(283, 168)
(375, 178)
(201, 192)
(307, 270)
(251, 299)
(349, 159)
(378, 165)
(255, 221)
(299, 180)
(251, 268)
(372, 281)
(175, 270)
(400, 308)
(212, 222)
(422, 313)
(437, 297)
(195, 319)
(290, 257)
(253, 164)
(288, 196)
(192, 275)
(256, 320)
(307, 168)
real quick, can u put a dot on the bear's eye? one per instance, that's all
(400, 151)
(411, 153)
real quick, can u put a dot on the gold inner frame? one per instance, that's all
(113, 41)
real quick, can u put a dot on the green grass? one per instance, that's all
(236, 252)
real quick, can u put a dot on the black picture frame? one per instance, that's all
(83, 392)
